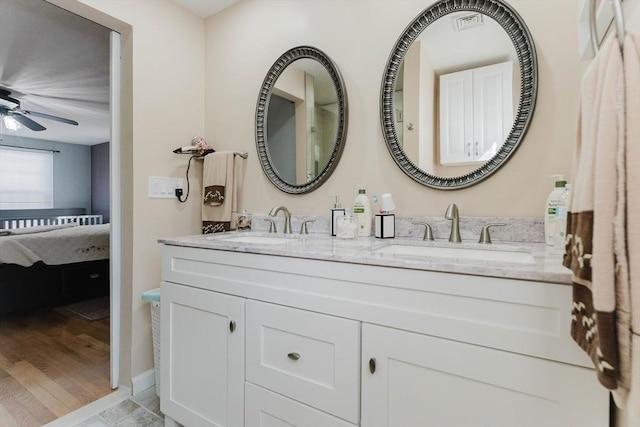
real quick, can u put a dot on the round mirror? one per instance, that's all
(458, 92)
(301, 120)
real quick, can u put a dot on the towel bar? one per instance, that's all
(242, 154)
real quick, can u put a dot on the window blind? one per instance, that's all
(26, 179)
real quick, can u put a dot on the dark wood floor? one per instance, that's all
(50, 365)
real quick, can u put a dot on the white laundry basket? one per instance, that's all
(153, 296)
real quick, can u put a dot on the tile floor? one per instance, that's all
(142, 409)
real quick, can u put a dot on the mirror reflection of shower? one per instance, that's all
(302, 121)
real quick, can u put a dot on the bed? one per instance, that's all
(50, 265)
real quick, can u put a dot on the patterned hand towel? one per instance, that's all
(219, 192)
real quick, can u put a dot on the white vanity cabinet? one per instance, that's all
(202, 357)
(327, 343)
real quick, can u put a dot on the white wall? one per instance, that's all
(361, 36)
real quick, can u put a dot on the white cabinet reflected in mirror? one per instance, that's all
(301, 120)
(458, 92)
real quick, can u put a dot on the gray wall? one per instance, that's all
(281, 134)
(100, 180)
(71, 170)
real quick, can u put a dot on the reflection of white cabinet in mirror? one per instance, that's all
(476, 113)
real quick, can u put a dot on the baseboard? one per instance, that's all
(143, 381)
(93, 408)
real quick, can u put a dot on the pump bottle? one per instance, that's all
(553, 201)
(362, 213)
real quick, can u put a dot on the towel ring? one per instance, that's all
(619, 20)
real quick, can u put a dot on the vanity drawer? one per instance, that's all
(312, 358)
(263, 408)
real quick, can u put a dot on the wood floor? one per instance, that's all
(50, 365)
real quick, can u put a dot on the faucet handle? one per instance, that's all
(303, 226)
(428, 231)
(272, 225)
(485, 237)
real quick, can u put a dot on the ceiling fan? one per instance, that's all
(10, 107)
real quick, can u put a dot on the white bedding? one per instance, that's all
(58, 246)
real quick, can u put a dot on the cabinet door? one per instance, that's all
(202, 356)
(476, 113)
(492, 109)
(456, 117)
(420, 380)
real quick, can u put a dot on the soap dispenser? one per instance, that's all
(336, 212)
(553, 201)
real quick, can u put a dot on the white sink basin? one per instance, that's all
(261, 240)
(478, 254)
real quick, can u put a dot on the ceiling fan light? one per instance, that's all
(11, 124)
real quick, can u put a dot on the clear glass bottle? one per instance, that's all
(347, 226)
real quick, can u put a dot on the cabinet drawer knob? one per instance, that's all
(293, 356)
(232, 326)
(372, 365)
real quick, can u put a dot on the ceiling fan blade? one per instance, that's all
(50, 117)
(27, 122)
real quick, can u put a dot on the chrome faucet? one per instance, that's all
(287, 217)
(453, 215)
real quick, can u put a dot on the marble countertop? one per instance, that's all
(543, 264)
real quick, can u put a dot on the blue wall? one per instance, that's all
(71, 170)
(100, 180)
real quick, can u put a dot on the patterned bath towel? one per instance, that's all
(603, 226)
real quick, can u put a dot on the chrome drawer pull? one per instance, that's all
(232, 326)
(293, 356)
(372, 365)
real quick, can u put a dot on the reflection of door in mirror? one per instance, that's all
(302, 123)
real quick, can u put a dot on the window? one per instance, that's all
(26, 179)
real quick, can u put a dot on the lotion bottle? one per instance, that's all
(553, 201)
(336, 212)
(362, 213)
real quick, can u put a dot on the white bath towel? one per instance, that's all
(219, 192)
(590, 231)
(631, 188)
(603, 229)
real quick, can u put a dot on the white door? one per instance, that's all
(456, 117)
(419, 380)
(202, 357)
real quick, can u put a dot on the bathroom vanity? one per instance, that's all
(316, 331)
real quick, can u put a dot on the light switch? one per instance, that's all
(163, 187)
